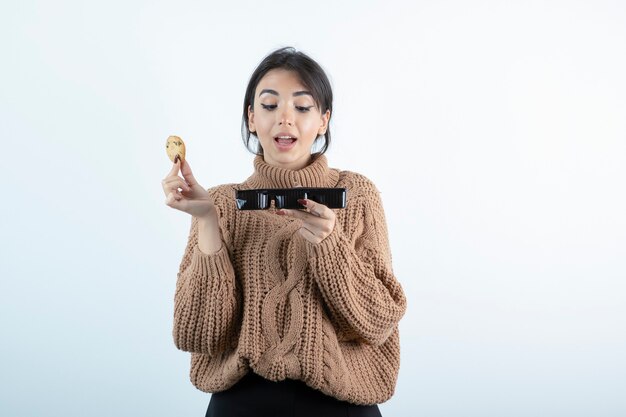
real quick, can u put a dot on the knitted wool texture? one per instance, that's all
(271, 301)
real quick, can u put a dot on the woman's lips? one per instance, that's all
(284, 144)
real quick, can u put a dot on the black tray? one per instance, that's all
(287, 198)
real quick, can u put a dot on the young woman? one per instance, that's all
(287, 312)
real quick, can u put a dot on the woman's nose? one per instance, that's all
(286, 117)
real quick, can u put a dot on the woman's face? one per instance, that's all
(284, 108)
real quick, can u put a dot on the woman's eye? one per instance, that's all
(273, 106)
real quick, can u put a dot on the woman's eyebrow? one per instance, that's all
(297, 93)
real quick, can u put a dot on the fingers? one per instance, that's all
(176, 200)
(317, 222)
(176, 182)
(186, 171)
(172, 181)
(171, 199)
(313, 228)
(175, 167)
(172, 184)
(313, 209)
(317, 209)
(173, 172)
(316, 225)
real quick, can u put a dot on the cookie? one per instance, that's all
(175, 146)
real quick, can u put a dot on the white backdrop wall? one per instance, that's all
(495, 131)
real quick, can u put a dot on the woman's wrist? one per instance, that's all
(208, 218)
(209, 237)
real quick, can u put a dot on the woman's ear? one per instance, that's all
(251, 126)
(324, 125)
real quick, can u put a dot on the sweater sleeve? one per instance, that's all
(355, 276)
(207, 301)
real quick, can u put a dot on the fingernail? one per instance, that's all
(280, 212)
(302, 201)
(176, 158)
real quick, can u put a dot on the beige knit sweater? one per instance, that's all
(271, 301)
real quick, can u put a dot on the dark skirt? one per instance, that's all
(255, 396)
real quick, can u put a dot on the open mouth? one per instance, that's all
(285, 140)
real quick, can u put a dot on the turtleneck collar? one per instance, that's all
(316, 174)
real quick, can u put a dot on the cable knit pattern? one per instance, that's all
(271, 301)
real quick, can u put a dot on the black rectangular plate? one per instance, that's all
(287, 198)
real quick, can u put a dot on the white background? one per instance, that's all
(496, 132)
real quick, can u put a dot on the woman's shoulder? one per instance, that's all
(356, 184)
(222, 193)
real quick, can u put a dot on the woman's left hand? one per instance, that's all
(318, 221)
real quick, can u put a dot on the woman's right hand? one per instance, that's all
(193, 199)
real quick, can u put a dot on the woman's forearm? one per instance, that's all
(209, 238)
